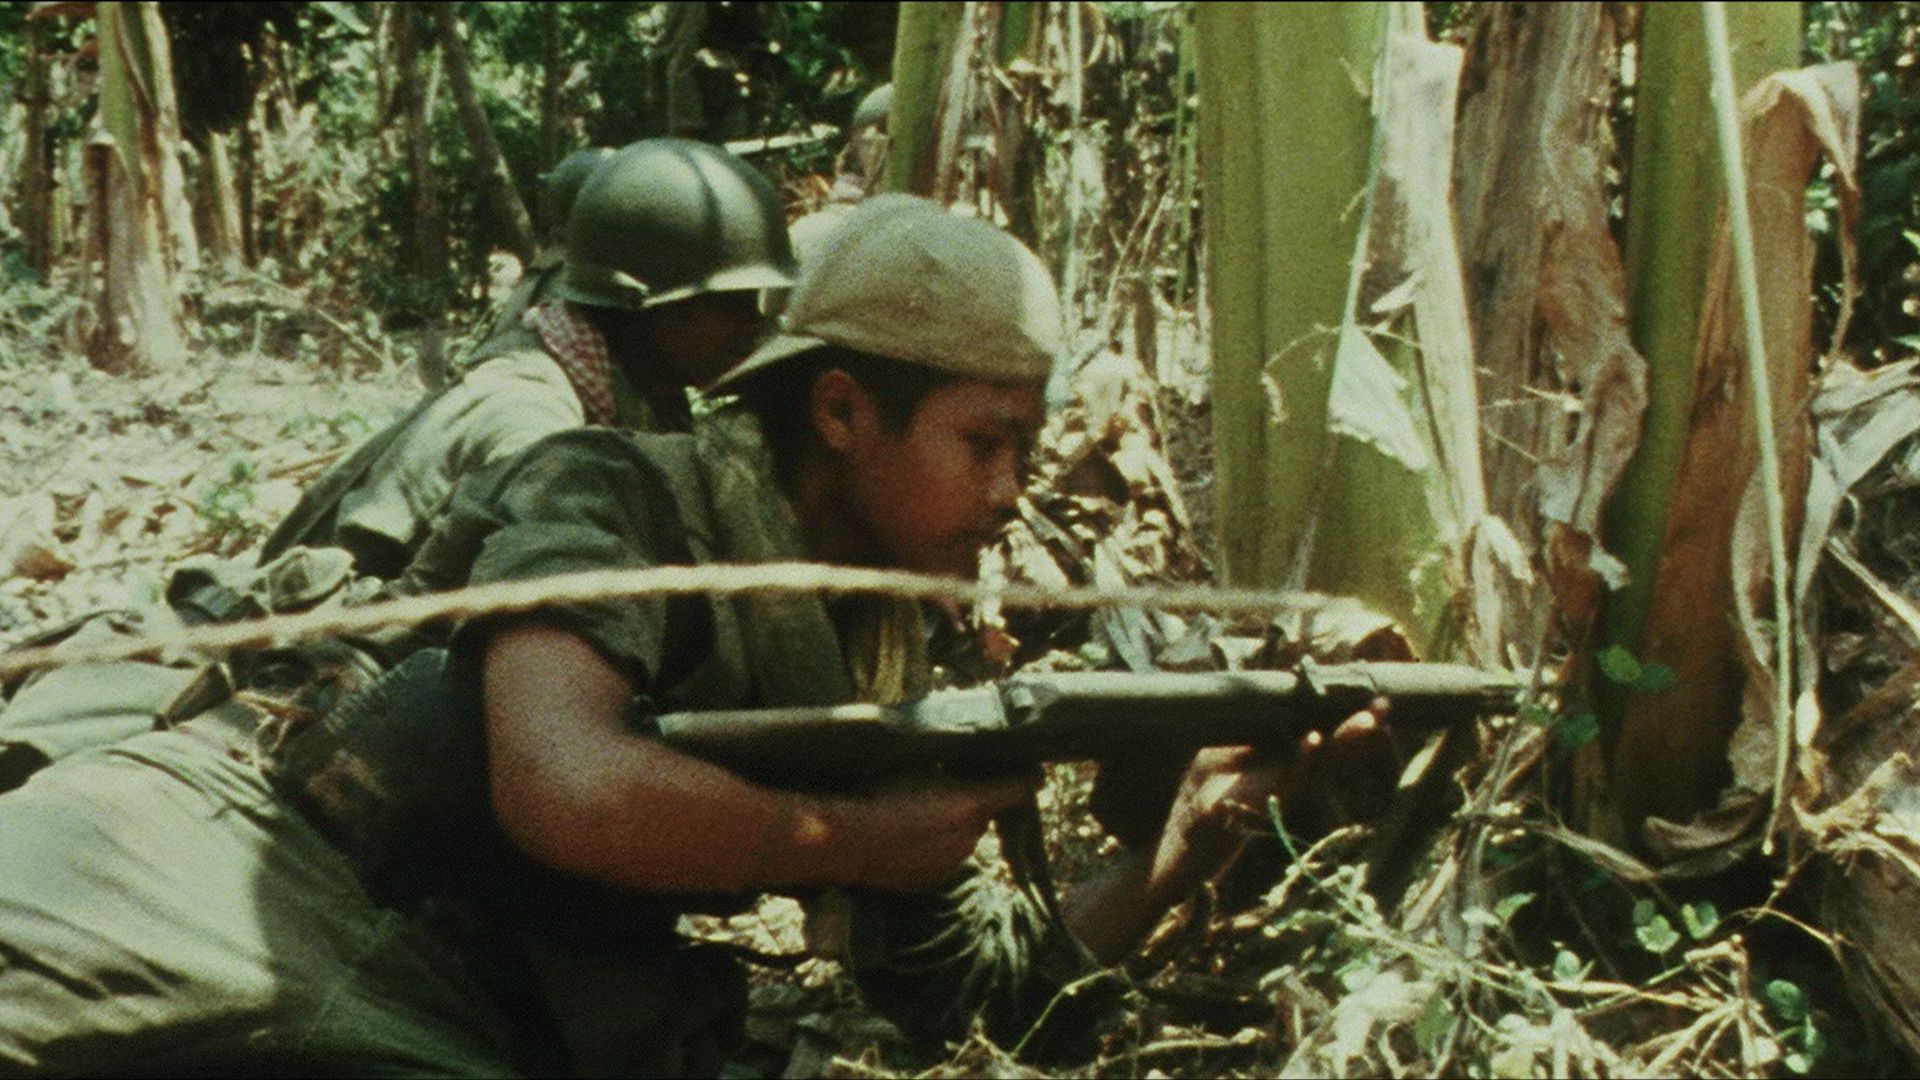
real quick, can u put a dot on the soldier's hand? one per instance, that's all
(1346, 778)
(914, 833)
(1226, 789)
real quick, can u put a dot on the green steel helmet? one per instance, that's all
(559, 188)
(667, 219)
(873, 110)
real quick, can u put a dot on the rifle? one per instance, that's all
(1078, 716)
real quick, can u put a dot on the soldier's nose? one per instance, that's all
(1003, 495)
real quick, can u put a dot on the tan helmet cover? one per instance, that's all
(903, 278)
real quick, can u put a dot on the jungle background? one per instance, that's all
(1426, 312)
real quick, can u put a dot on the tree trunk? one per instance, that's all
(978, 32)
(37, 185)
(1346, 462)
(1019, 164)
(1548, 299)
(1671, 752)
(220, 201)
(1071, 256)
(923, 52)
(1548, 307)
(683, 32)
(386, 14)
(414, 93)
(510, 213)
(249, 172)
(551, 75)
(429, 240)
(1185, 146)
(1283, 146)
(140, 229)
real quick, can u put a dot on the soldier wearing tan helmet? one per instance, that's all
(480, 870)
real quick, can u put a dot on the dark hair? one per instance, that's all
(780, 395)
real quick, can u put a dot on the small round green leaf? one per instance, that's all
(1644, 911)
(1618, 664)
(1700, 919)
(1788, 1000)
(1657, 936)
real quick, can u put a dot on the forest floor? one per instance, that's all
(1516, 950)
(107, 481)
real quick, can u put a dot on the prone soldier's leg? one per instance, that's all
(62, 711)
(161, 908)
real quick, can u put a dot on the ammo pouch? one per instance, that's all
(394, 775)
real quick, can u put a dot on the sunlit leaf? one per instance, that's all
(1434, 1023)
(1567, 967)
(1657, 935)
(1509, 905)
(1700, 919)
(1787, 999)
(1644, 911)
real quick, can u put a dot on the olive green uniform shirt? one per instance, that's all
(382, 503)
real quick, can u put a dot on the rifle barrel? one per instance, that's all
(1077, 716)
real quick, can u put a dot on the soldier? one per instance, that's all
(861, 164)
(672, 243)
(485, 879)
(558, 190)
(666, 251)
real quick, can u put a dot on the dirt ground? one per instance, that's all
(106, 481)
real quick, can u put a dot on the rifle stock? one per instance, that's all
(1077, 716)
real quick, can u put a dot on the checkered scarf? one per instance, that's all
(581, 352)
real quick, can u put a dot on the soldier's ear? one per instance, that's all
(839, 408)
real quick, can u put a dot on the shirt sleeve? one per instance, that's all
(498, 409)
(582, 500)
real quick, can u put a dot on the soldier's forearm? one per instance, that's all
(576, 791)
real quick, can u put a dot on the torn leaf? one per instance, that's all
(1367, 402)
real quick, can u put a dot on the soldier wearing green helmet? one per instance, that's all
(656, 291)
(861, 163)
(664, 253)
(559, 189)
(511, 905)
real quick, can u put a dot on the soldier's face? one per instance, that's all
(701, 337)
(932, 495)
